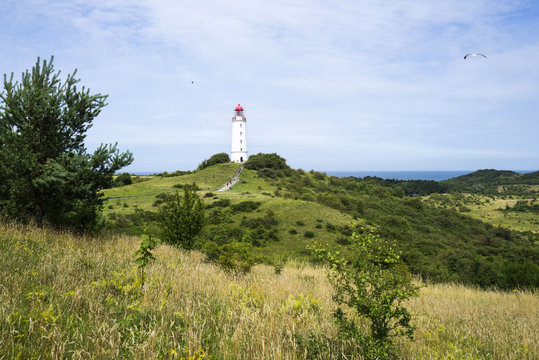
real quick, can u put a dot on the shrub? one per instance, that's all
(220, 158)
(308, 234)
(181, 186)
(123, 179)
(143, 254)
(220, 203)
(293, 231)
(246, 206)
(233, 256)
(373, 284)
(266, 161)
(182, 218)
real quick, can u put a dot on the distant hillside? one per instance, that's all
(281, 210)
(488, 180)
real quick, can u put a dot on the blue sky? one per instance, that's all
(328, 85)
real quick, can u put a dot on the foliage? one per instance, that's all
(46, 175)
(488, 180)
(373, 283)
(219, 158)
(439, 244)
(143, 254)
(232, 256)
(246, 206)
(524, 206)
(123, 179)
(229, 250)
(182, 218)
(268, 165)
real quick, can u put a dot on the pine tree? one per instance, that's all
(46, 175)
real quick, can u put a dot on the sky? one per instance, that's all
(328, 85)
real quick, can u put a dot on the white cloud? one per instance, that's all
(326, 78)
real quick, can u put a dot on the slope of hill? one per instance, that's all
(488, 180)
(287, 211)
(76, 297)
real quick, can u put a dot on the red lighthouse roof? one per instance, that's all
(238, 108)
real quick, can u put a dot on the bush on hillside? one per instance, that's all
(268, 165)
(246, 206)
(372, 284)
(123, 179)
(182, 218)
(220, 158)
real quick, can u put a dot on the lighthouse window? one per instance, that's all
(240, 141)
(240, 132)
(240, 125)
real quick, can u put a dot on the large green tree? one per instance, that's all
(46, 174)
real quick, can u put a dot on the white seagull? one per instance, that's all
(474, 55)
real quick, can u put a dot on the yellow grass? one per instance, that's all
(68, 297)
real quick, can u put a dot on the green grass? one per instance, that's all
(142, 195)
(488, 208)
(250, 187)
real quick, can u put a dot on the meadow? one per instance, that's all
(492, 208)
(65, 296)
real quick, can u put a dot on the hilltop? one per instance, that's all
(282, 210)
(489, 180)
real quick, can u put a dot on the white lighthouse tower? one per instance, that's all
(239, 140)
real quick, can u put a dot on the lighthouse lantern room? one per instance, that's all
(239, 143)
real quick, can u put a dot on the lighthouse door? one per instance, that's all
(241, 159)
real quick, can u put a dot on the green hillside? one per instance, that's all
(283, 210)
(488, 180)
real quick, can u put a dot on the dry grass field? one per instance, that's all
(63, 296)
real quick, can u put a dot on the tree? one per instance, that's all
(45, 172)
(182, 218)
(373, 283)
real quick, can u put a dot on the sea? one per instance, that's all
(437, 175)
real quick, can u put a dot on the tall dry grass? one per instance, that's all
(63, 296)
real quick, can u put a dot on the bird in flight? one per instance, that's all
(474, 55)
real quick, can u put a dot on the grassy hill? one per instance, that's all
(489, 181)
(63, 296)
(291, 208)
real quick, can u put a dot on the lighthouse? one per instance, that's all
(239, 143)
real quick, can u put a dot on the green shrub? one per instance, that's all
(220, 158)
(308, 234)
(143, 255)
(182, 218)
(373, 283)
(219, 203)
(123, 179)
(233, 256)
(246, 206)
